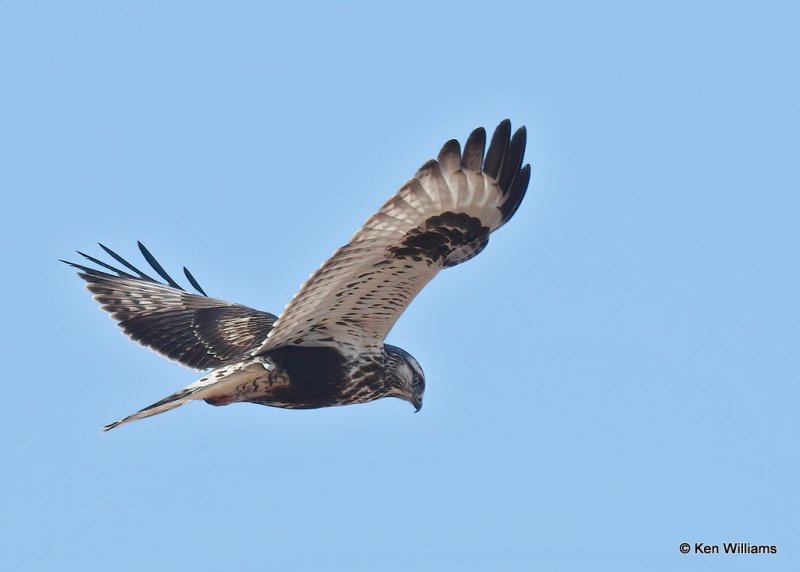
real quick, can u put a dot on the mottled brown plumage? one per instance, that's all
(327, 348)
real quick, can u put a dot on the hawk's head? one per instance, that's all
(404, 376)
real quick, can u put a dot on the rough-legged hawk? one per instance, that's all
(327, 347)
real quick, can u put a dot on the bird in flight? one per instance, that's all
(327, 347)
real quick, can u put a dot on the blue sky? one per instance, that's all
(616, 374)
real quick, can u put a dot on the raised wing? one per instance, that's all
(441, 217)
(197, 331)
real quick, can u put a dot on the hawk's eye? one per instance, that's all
(417, 381)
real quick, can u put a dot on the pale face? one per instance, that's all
(414, 380)
(404, 376)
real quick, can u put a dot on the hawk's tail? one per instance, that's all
(170, 402)
(219, 386)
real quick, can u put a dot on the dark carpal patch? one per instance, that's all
(442, 235)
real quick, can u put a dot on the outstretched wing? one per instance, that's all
(441, 217)
(197, 331)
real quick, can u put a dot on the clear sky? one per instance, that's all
(616, 374)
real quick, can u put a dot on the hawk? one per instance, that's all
(327, 347)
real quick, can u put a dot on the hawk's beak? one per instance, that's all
(417, 403)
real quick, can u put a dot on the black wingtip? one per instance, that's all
(512, 159)
(450, 156)
(74, 265)
(516, 193)
(122, 274)
(84, 270)
(94, 260)
(497, 148)
(125, 263)
(193, 282)
(472, 158)
(151, 260)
